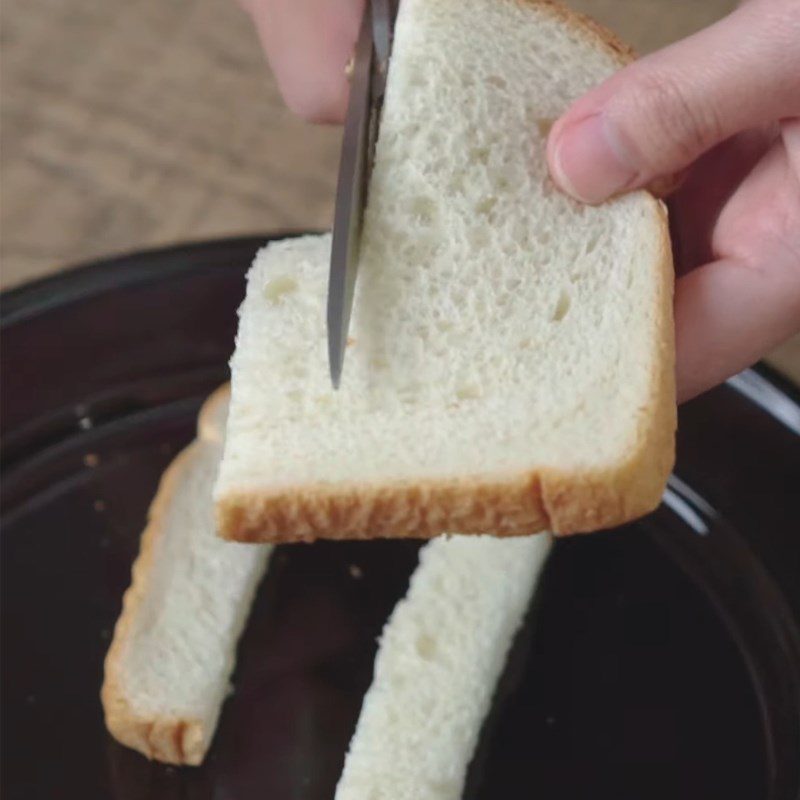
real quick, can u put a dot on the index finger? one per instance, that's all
(308, 44)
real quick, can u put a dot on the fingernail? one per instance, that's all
(588, 162)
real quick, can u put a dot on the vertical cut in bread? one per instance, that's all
(510, 366)
(440, 656)
(167, 671)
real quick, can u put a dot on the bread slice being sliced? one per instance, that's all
(440, 656)
(174, 645)
(510, 366)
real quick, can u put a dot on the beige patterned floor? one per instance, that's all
(139, 123)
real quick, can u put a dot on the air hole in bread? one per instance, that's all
(479, 155)
(407, 395)
(562, 307)
(468, 391)
(486, 205)
(426, 646)
(478, 238)
(544, 126)
(423, 210)
(435, 140)
(278, 287)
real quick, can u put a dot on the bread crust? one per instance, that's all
(167, 738)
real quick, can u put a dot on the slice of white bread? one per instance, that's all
(174, 646)
(440, 656)
(510, 367)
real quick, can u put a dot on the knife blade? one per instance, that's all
(367, 84)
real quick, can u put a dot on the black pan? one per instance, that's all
(661, 660)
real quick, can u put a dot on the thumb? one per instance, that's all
(656, 116)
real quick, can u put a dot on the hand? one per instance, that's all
(723, 106)
(308, 45)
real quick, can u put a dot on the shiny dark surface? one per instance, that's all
(657, 661)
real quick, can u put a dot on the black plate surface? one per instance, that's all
(657, 661)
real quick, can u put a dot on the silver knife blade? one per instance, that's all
(350, 193)
(367, 87)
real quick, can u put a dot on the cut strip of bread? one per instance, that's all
(510, 367)
(174, 645)
(440, 657)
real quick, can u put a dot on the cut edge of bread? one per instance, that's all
(167, 738)
(527, 502)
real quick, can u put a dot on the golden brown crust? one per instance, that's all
(524, 504)
(171, 739)
(546, 499)
(420, 510)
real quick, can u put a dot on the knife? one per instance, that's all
(367, 84)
